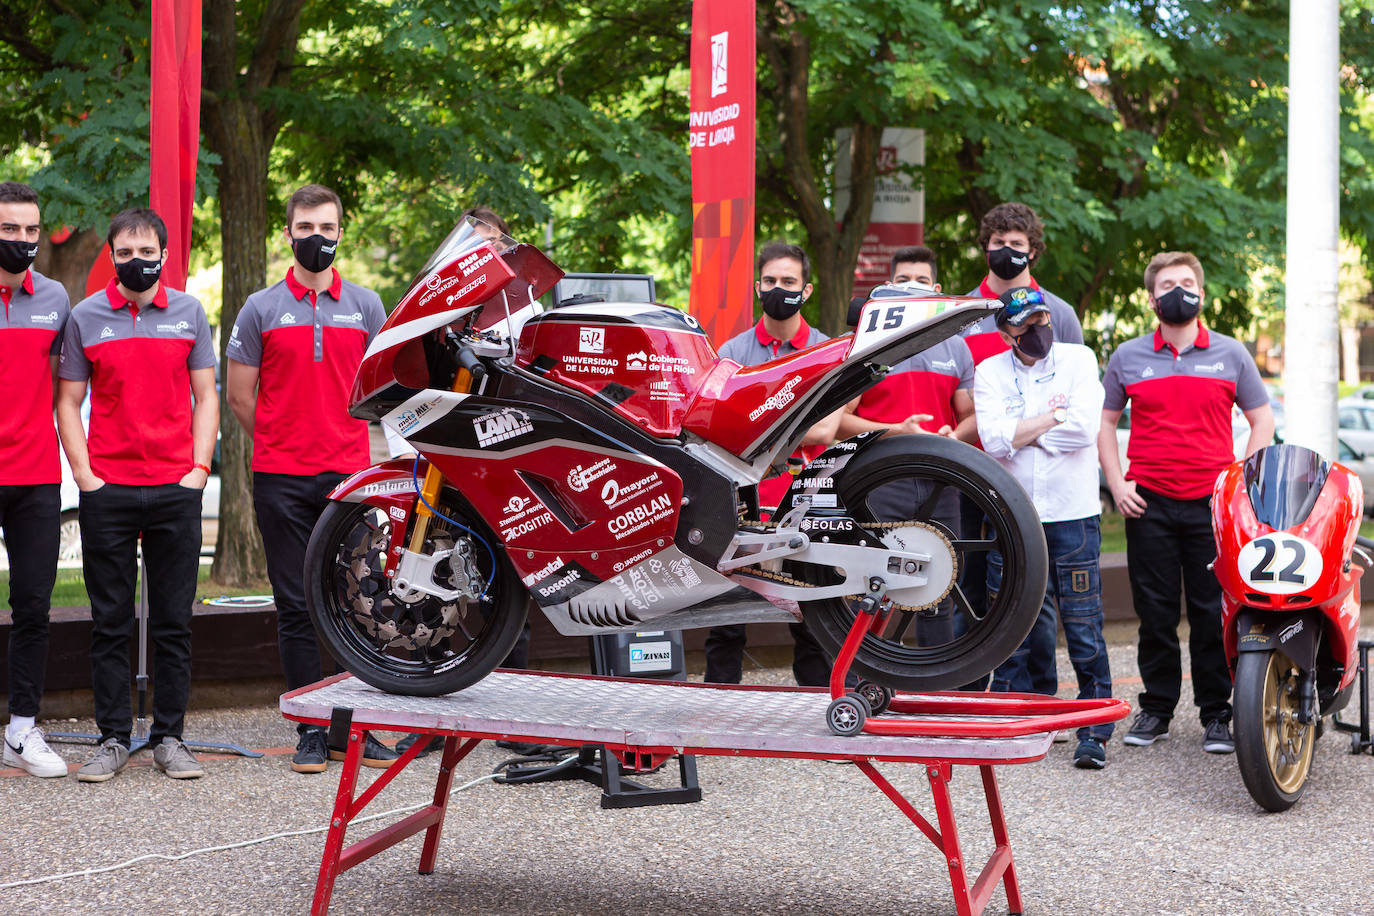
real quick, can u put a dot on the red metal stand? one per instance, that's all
(676, 717)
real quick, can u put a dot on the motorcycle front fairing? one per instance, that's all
(1285, 523)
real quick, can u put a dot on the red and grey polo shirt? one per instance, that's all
(924, 383)
(1181, 408)
(138, 360)
(755, 346)
(30, 335)
(984, 340)
(307, 349)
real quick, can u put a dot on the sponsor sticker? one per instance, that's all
(590, 365)
(381, 488)
(581, 476)
(640, 517)
(613, 494)
(553, 565)
(651, 656)
(500, 425)
(778, 399)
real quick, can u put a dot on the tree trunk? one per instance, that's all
(242, 171)
(70, 262)
(241, 127)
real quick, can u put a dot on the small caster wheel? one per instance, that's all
(1356, 745)
(846, 716)
(879, 696)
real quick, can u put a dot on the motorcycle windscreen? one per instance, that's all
(1283, 482)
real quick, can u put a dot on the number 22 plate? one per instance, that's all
(1279, 564)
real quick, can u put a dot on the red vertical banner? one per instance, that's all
(721, 140)
(175, 127)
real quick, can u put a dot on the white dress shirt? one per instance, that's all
(1059, 469)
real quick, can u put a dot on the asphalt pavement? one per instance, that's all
(1167, 829)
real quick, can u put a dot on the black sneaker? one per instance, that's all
(435, 743)
(1146, 730)
(310, 752)
(375, 754)
(1091, 754)
(1216, 739)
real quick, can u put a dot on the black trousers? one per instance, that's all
(167, 518)
(29, 516)
(725, 656)
(1167, 552)
(287, 507)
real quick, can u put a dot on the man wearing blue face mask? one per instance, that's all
(1181, 382)
(1038, 408)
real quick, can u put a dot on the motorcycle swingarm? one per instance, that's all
(900, 569)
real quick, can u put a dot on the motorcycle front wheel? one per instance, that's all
(1273, 749)
(425, 647)
(926, 486)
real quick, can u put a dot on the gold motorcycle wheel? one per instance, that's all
(1273, 748)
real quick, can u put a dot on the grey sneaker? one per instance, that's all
(108, 760)
(172, 758)
(1216, 739)
(1146, 730)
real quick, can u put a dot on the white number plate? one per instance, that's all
(1280, 564)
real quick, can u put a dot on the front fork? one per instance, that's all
(430, 489)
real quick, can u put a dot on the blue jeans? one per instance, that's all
(1073, 593)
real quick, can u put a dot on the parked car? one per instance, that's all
(1355, 418)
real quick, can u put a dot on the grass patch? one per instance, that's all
(70, 589)
(1114, 532)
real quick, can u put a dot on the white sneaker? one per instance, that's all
(32, 753)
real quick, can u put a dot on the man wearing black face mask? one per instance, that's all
(1181, 382)
(143, 348)
(31, 327)
(292, 355)
(1038, 409)
(784, 284)
(1013, 240)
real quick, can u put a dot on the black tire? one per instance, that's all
(1273, 749)
(879, 698)
(427, 648)
(846, 716)
(939, 467)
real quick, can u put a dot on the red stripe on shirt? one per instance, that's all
(28, 439)
(1181, 435)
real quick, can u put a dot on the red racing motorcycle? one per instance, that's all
(1286, 524)
(602, 460)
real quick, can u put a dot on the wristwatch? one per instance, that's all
(1061, 414)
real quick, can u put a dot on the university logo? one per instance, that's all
(592, 340)
(107, 331)
(287, 318)
(720, 47)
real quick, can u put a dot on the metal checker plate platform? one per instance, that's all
(640, 714)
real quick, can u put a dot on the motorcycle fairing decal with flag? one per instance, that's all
(721, 141)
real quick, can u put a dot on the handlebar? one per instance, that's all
(468, 360)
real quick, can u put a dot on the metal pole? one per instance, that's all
(140, 735)
(1311, 320)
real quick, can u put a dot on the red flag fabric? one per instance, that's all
(175, 127)
(721, 140)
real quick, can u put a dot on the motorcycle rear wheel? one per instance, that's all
(426, 648)
(940, 468)
(1273, 749)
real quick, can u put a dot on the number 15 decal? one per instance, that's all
(1279, 564)
(891, 317)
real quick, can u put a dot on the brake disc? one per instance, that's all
(393, 624)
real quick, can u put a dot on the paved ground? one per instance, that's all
(1163, 830)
